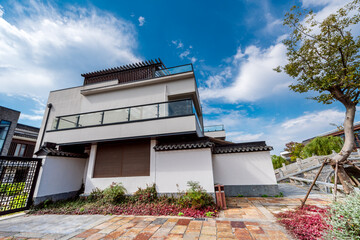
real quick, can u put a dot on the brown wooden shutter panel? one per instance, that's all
(122, 159)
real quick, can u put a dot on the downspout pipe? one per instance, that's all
(46, 122)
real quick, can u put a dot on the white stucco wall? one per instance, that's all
(125, 130)
(180, 166)
(71, 101)
(60, 175)
(130, 183)
(247, 168)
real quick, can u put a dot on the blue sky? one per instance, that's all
(234, 45)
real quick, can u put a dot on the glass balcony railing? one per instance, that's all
(128, 114)
(174, 70)
(214, 128)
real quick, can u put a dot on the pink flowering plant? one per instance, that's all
(307, 223)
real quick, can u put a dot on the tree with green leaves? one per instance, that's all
(294, 148)
(322, 146)
(277, 161)
(323, 57)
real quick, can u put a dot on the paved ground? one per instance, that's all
(295, 191)
(246, 218)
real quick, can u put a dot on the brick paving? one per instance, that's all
(246, 218)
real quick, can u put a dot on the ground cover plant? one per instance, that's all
(194, 202)
(307, 223)
(344, 218)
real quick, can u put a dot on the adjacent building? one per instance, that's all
(16, 139)
(140, 124)
(340, 133)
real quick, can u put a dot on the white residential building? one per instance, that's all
(141, 124)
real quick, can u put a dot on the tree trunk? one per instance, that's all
(347, 148)
(345, 180)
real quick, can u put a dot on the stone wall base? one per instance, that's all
(55, 197)
(251, 190)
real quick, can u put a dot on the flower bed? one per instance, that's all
(80, 207)
(307, 223)
(195, 202)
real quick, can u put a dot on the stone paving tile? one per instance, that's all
(132, 232)
(29, 235)
(143, 236)
(96, 236)
(208, 230)
(183, 222)
(159, 221)
(174, 236)
(152, 228)
(251, 219)
(87, 233)
(178, 229)
(207, 237)
(242, 233)
(114, 235)
(237, 224)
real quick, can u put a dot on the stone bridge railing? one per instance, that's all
(302, 166)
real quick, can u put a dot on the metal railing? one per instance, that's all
(127, 114)
(174, 70)
(214, 128)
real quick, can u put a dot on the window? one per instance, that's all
(122, 159)
(20, 150)
(4, 129)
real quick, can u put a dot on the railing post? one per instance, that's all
(57, 124)
(102, 118)
(129, 115)
(158, 109)
(77, 121)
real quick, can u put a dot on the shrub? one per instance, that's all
(196, 197)
(344, 218)
(96, 194)
(115, 193)
(147, 195)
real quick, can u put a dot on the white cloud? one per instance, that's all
(184, 54)
(42, 49)
(193, 59)
(141, 21)
(314, 3)
(309, 124)
(240, 127)
(178, 44)
(255, 78)
(244, 137)
(1, 11)
(24, 116)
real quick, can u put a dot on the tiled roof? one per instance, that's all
(191, 144)
(217, 146)
(45, 151)
(25, 135)
(242, 147)
(27, 127)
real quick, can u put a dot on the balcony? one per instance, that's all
(125, 115)
(174, 70)
(214, 128)
(215, 131)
